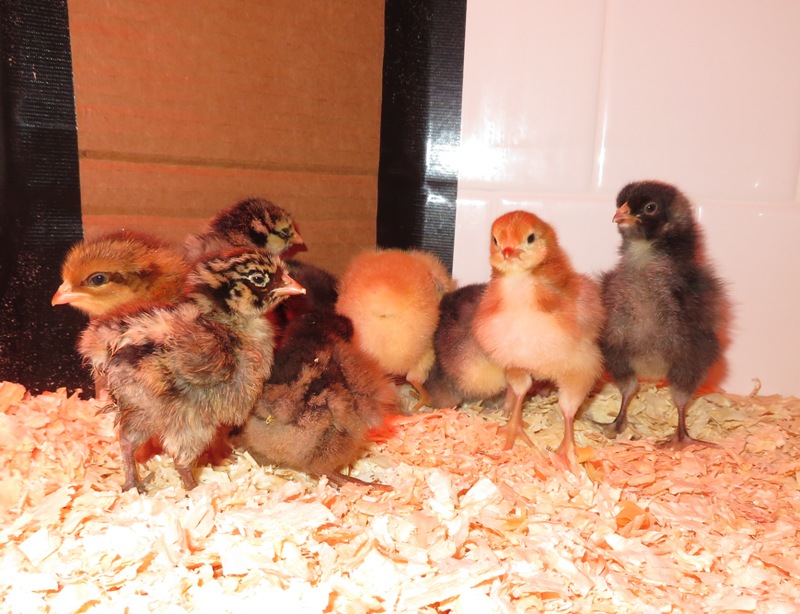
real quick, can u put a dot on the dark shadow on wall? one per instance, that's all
(40, 210)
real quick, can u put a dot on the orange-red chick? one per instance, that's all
(392, 297)
(540, 319)
(118, 269)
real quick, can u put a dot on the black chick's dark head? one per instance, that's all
(258, 223)
(652, 210)
(243, 281)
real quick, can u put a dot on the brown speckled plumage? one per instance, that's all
(253, 222)
(323, 398)
(181, 371)
(259, 223)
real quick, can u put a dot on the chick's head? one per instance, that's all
(520, 242)
(256, 222)
(649, 210)
(118, 269)
(241, 281)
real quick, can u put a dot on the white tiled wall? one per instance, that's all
(565, 101)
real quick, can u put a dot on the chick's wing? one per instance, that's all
(203, 352)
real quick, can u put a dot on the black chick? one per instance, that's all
(321, 293)
(461, 371)
(321, 402)
(665, 306)
(181, 371)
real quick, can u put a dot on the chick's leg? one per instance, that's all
(129, 441)
(569, 400)
(187, 477)
(572, 392)
(684, 378)
(423, 398)
(340, 480)
(681, 438)
(627, 389)
(417, 377)
(185, 447)
(519, 382)
(617, 361)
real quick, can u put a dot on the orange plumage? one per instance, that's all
(118, 269)
(392, 297)
(539, 319)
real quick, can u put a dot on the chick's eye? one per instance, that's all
(531, 238)
(96, 279)
(494, 240)
(258, 279)
(651, 207)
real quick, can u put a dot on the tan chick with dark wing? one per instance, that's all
(181, 371)
(540, 319)
(392, 297)
(462, 372)
(323, 399)
(118, 269)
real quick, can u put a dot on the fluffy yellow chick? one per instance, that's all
(392, 297)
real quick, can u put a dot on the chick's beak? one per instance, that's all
(296, 238)
(509, 252)
(289, 287)
(623, 216)
(65, 295)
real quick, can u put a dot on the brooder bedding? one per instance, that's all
(468, 527)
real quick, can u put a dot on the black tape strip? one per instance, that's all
(40, 211)
(423, 70)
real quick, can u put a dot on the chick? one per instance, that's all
(322, 400)
(665, 306)
(118, 269)
(539, 318)
(321, 293)
(262, 224)
(254, 222)
(462, 371)
(181, 371)
(392, 297)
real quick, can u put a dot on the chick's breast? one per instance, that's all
(547, 343)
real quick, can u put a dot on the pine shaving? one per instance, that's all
(468, 527)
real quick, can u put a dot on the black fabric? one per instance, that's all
(421, 124)
(40, 213)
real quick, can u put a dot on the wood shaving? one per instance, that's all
(469, 527)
